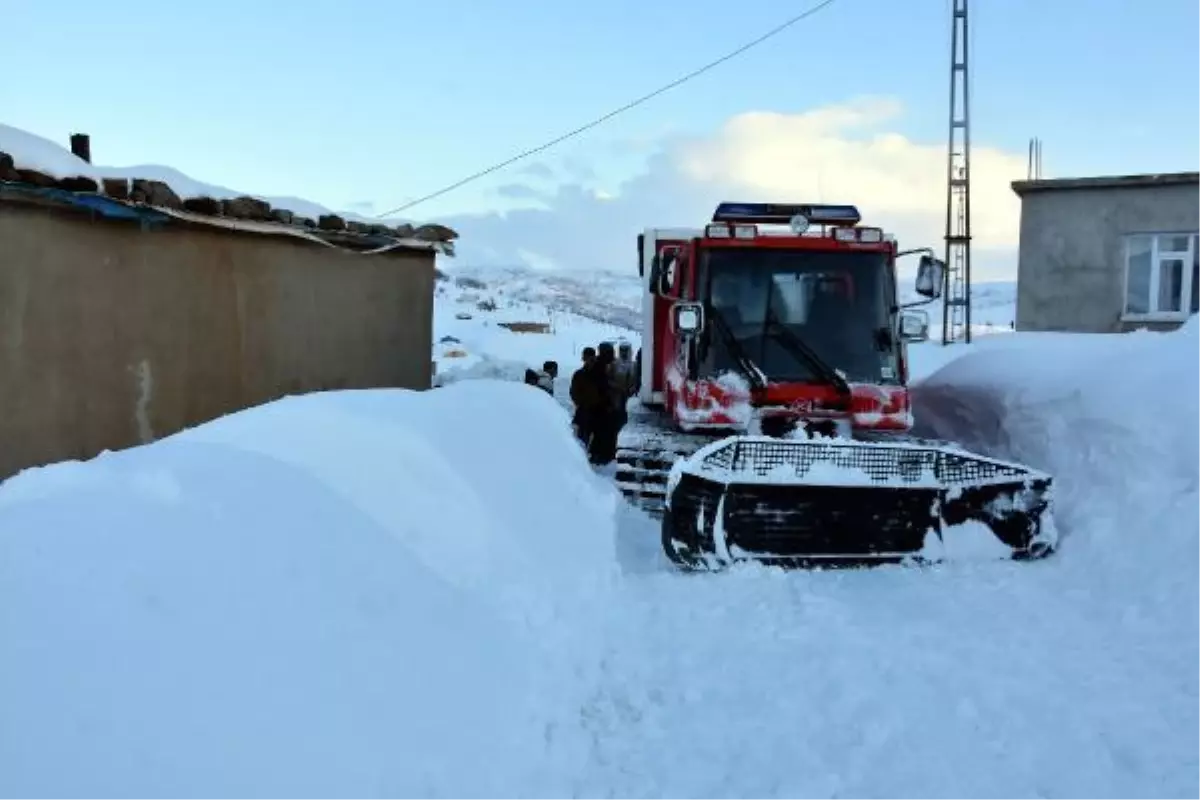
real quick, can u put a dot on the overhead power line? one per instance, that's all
(778, 29)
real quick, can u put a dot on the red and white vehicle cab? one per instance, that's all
(777, 314)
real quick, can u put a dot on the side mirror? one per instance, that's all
(662, 271)
(931, 274)
(913, 326)
(687, 319)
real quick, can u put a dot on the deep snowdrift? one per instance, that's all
(361, 593)
(1115, 418)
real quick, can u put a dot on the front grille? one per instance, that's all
(882, 464)
(815, 521)
(779, 504)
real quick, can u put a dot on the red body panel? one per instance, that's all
(723, 404)
(665, 345)
(664, 350)
(696, 405)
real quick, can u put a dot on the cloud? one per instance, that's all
(538, 170)
(572, 167)
(578, 169)
(843, 153)
(523, 191)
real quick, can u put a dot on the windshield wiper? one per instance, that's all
(800, 350)
(748, 368)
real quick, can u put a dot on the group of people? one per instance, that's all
(600, 391)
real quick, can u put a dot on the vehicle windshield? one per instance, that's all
(837, 303)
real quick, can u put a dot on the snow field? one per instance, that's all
(480, 347)
(391, 593)
(360, 593)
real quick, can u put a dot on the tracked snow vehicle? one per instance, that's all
(773, 421)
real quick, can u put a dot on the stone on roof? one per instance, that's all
(331, 228)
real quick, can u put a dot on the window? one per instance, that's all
(838, 303)
(1162, 276)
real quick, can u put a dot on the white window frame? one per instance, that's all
(1156, 256)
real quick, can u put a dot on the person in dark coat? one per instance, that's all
(585, 398)
(606, 425)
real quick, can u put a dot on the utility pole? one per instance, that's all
(956, 309)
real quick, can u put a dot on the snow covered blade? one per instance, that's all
(835, 502)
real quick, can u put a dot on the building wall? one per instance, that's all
(1071, 273)
(111, 336)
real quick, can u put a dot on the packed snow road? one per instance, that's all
(1044, 679)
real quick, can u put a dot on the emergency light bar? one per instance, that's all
(783, 213)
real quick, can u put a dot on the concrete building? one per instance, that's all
(124, 321)
(1108, 254)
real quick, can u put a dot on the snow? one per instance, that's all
(727, 396)
(824, 473)
(481, 347)
(339, 594)
(971, 540)
(821, 473)
(1074, 676)
(30, 151)
(385, 593)
(1114, 417)
(613, 298)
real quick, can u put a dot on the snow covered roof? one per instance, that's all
(36, 170)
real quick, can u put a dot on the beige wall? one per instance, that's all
(111, 336)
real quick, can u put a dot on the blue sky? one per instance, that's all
(380, 102)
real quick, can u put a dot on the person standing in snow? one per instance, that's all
(584, 398)
(624, 383)
(547, 377)
(606, 423)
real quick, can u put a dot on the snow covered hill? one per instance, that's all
(613, 298)
(496, 329)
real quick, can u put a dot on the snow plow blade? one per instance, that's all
(814, 503)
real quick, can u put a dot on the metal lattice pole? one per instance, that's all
(956, 309)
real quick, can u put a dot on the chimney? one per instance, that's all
(81, 146)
